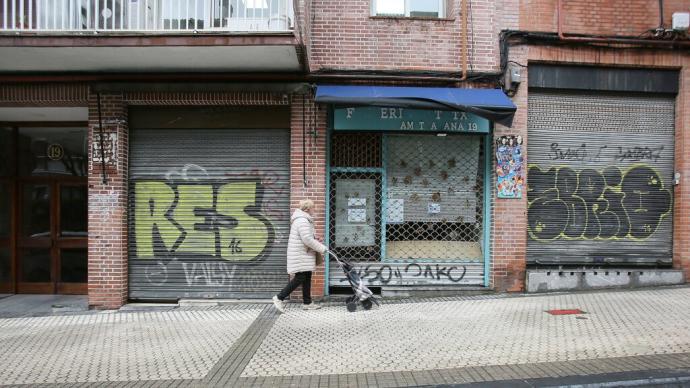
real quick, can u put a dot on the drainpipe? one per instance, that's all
(564, 38)
(463, 10)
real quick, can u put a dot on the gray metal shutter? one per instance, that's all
(209, 213)
(600, 178)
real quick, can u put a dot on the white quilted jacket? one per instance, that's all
(302, 244)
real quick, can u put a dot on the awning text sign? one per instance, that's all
(402, 119)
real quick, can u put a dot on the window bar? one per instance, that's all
(129, 16)
(179, 14)
(88, 15)
(55, 22)
(31, 15)
(156, 18)
(112, 14)
(270, 14)
(21, 15)
(64, 14)
(238, 13)
(122, 16)
(146, 15)
(4, 14)
(14, 14)
(97, 14)
(196, 15)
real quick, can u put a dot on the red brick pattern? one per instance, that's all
(50, 94)
(509, 226)
(509, 231)
(206, 98)
(108, 207)
(315, 186)
(599, 17)
(345, 36)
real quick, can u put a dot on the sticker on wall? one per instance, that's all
(396, 211)
(509, 171)
(434, 208)
(356, 216)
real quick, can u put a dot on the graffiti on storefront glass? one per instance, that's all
(221, 220)
(590, 204)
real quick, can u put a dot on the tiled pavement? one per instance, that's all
(629, 335)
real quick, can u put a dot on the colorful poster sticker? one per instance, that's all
(509, 167)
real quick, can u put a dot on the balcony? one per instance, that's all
(147, 35)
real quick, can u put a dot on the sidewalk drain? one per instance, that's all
(565, 312)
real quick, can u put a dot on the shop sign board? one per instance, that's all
(407, 120)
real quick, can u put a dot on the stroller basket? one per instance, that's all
(361, 293)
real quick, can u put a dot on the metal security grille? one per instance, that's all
(209, 212)
(359, 150)
(408, 209)
(356, 196)
(600, 178)
(434, 197)
(355, 217)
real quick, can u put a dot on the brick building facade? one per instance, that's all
(349, 44)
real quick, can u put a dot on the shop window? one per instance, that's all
(355, 218)
(52, 151)
(424, 191)
(434, 197)
(409, 8)
(356, 150)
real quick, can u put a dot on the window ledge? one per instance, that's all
(412, 18)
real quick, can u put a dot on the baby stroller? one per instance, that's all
(362, 294)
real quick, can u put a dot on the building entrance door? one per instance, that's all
(44, 211)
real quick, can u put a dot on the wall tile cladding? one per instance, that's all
(599, 17)
(345, 36)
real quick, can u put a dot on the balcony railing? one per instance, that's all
(146, 16)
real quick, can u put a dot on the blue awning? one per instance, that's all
(491, 104)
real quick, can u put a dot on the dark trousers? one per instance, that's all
(300, 278)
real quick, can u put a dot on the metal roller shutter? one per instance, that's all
(209, 213)
(600, 178)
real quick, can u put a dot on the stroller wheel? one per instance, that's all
(367, 304)
(351, 306)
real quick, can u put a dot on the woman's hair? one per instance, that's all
(306, 204)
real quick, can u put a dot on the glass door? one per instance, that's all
(35, 240)
(71, 238)
(48, 200)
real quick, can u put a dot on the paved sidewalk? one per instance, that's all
(637, 337)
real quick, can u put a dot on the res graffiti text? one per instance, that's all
(221, 220)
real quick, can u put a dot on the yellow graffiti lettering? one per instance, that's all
(152, 200)
(192, 200)
(249, 238)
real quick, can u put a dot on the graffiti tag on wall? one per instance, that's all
(398, 274)
(221, 220)
(591, 204)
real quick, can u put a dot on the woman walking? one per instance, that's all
(301, 256)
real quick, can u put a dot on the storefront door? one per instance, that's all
(43, 211)
(408, 197)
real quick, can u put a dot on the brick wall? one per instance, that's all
(509, 231)
(599, 17)
(315, 187)
(345, 36)
(108, 205)
(509, 226)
